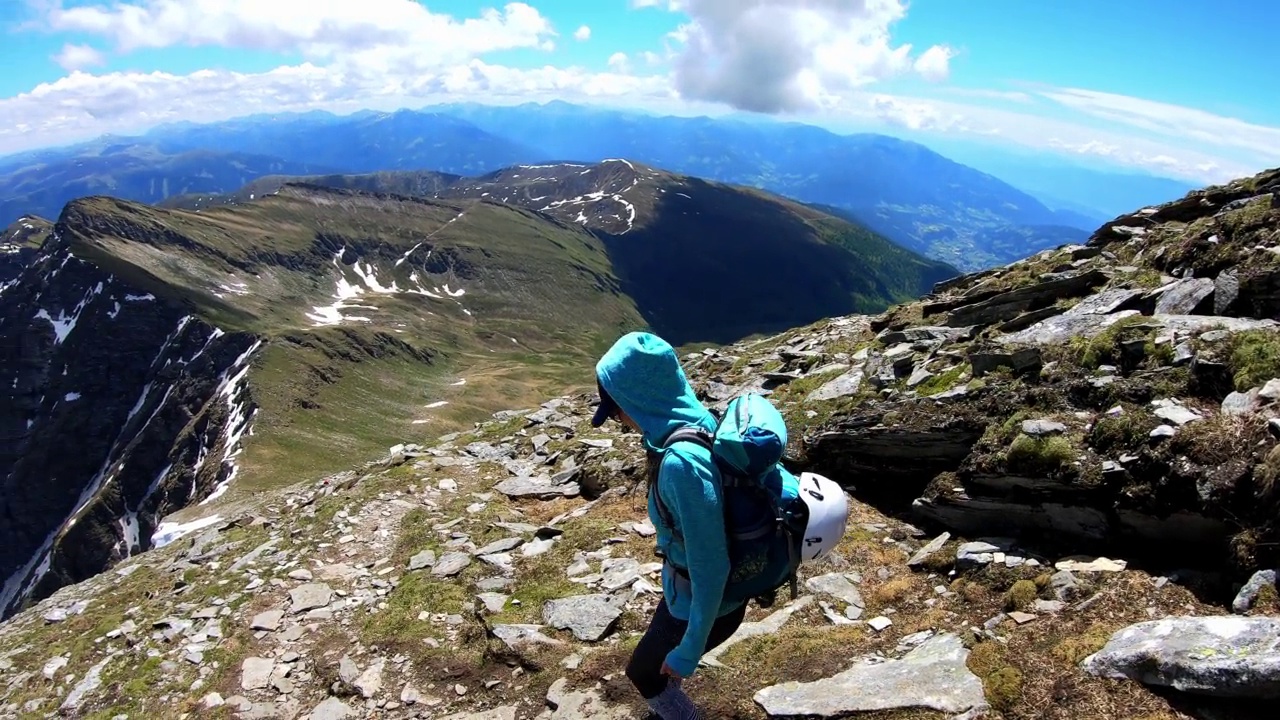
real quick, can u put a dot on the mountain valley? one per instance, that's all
(1063, 474)
(265, 339)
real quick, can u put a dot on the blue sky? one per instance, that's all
(1173, 88)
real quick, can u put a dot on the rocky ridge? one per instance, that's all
(506, 572)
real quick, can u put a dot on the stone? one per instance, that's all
(332, 709)
(1051, 607)
(588, 617)
(424, 559)
(255, 673)
(1041, 428)
(978, 553)
(837, 585)
(309, 597)
(1176, 414)
(879, 623)
(933, 675)
(451, 564)
(1248, 594)
(269, 620)
(1065, 586)
(370, 681)
(1222, 656)
(1189, 296)
(1104, 303)
(500, 546)
(1240, 403)
(493, 602)
(924, 553)
(541, 487)
(1270, 392)
(515, 636)
(581, 704)
(1163, 431)
(1021, 618)
(1082, 563)
(842, 386)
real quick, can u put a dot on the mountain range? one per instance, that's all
(902, 190)
(237, 343)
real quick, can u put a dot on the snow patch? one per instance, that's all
(628, 164)
(438, 403)
(463, 381)
(71, 397)
(369, 282)
(238, 419)
(167, 532)
(64, 324)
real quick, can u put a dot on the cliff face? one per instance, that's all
(117, 408)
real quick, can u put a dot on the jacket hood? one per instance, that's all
(643, 376)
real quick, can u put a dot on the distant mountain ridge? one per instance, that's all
(906, 192)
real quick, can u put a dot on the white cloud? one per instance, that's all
(619, 62)
(341, 30)
(78, 57)
(1173, 121)
(84, 105)
(792, 55)
(582, 33)
(935, 64)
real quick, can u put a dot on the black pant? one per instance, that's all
(664, 634)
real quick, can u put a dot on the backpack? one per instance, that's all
(764, 516)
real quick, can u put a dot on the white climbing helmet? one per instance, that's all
(828, 515)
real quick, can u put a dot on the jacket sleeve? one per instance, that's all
(696, 504)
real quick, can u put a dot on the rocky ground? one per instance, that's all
(1066, 507)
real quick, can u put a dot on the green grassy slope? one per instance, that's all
(481, 305)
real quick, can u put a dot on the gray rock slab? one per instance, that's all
(332, 709)
(451, 564)
(933, 676)
(842, 386)
(928, 550)
(581, 704)
(1222, 656)
(1183, 297)
(309, 597)
(837, 585)
(540, 487)
(1248, 594)
(588, 617)
(424, 559)
(255, 673)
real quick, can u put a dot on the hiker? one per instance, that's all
(642, 385)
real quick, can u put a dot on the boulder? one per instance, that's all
(932, 676)
(1221, 656)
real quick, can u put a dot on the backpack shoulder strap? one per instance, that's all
(691, 433)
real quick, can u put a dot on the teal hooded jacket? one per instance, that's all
(643, 376)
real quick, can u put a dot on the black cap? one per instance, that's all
(607, 408)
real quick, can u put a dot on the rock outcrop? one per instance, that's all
(120, 409)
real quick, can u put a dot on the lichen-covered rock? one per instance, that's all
(1224, 656)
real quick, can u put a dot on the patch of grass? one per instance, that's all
(1021, 595)
(1001, 681)
(1104, 348)
(1254, 358)
(1074, 648)
(417, 592)
(1039, 455)
(894, 590)
(943, 381)
(1113, 433)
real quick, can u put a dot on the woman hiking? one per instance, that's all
(643, 386)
